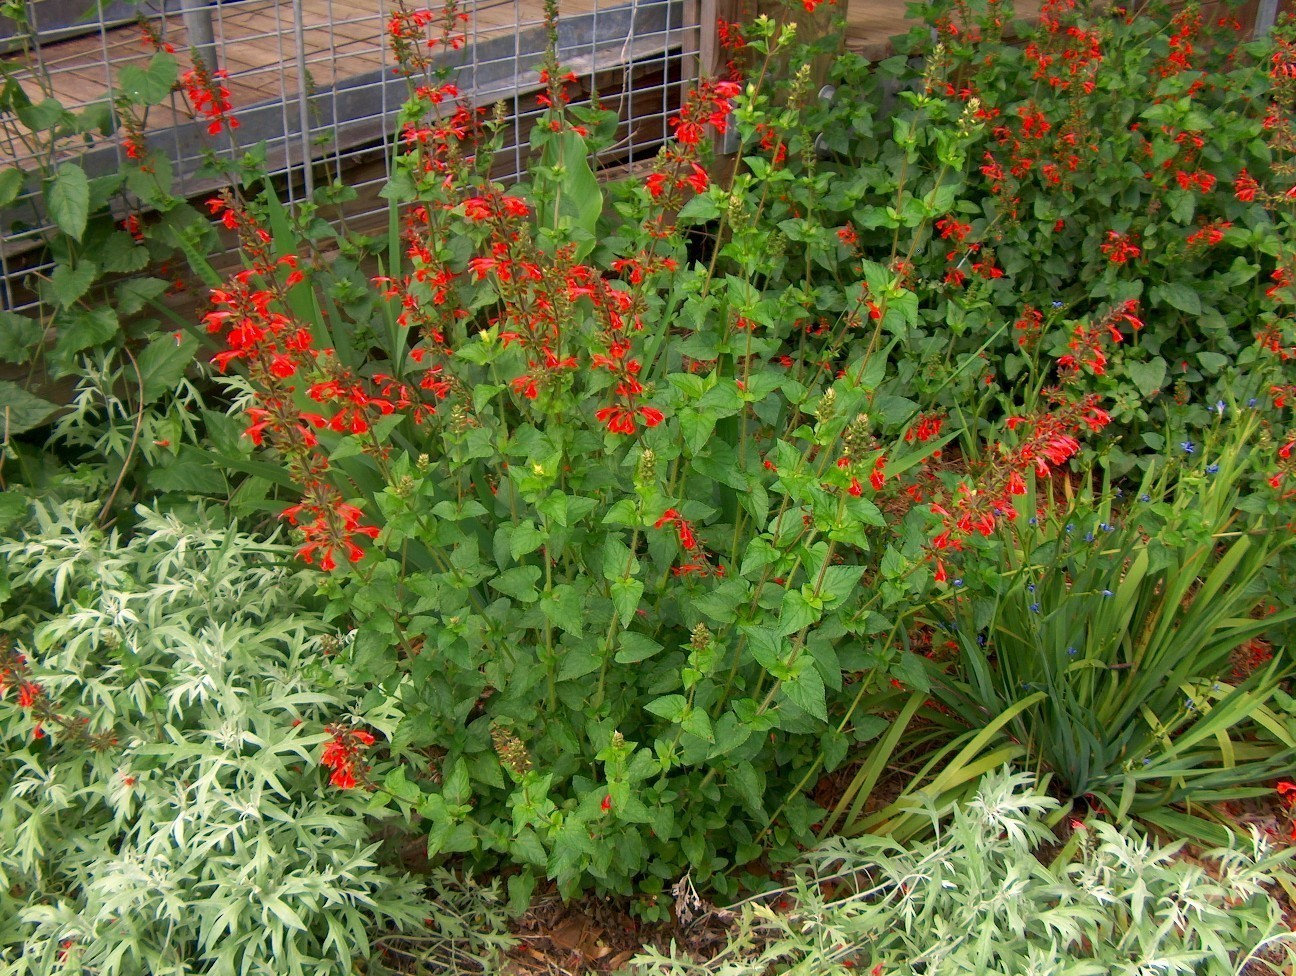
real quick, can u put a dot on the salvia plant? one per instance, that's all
(633, 537)
(638, 500)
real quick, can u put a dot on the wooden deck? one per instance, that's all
(256, 42)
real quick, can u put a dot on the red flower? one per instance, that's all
(342, 754)
(1245, 187)
(656, 184)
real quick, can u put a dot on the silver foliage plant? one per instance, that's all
(978, 899)
(204, 840)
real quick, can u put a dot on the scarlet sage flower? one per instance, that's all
(1120, 248)
(1245, 187)
(342, 754)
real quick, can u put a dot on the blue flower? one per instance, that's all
(1107, 592)
(958, 580)
(1032, 520)
(1069, 527)
(1188, 447)
(1030, 587)
(981, 640)
(1147, 761)
(1251, 402)
(1089, 537)
(1190, 704)
(1212, 469)
(1105, 527)
(1071, 652)
(1057, 304)
(1034, 608)
(1145, 498)
(1219, 407)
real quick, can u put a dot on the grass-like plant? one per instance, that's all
(1122, 623)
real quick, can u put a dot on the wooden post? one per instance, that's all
(711, 58)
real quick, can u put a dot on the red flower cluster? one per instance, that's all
(342, 754)
(1048, 440)
(1286, 791)
(15, 672)
(209, 98)
(1086, 342)
(412, 34)
(1185, 27)
(1209, 234)
(1120, 248)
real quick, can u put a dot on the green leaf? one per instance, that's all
(11, 184)
(669, 707)
(190, 473)
(526, 538)
(82, 328)
(796, 613)
(19, 337)
(749, 785)
(162, 364)
(458, 787)
(519, 583)
(1148, 376)
(636, 648)
(13, 506)
(400, 787)
(626, 593)
(580, 196)
(806, 691)
(910, 671)
(133, 295)
(67, 198)
(1212, 362)
(21, 411)
(68, 282)
(578, 662)
(1179, 296)
(150, 85)
(698, 723)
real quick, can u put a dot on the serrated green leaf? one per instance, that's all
(519, 583)
(19, 337)
(526, 538)
(806, 690)
(626, 593)
(669, 707)
(796, 613)
(1148, 377)
(909, 670)
(20, 411)
(1179, 296)
(133, 295)
(162, 364)
(69, 283)
(150, 85)
(190, 473)
(67, 199)
(11, 184)
(636, 648)
(82, 328)
(698, 723)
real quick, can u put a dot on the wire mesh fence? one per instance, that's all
(314, 88)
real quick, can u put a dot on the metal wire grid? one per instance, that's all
(313, 82)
